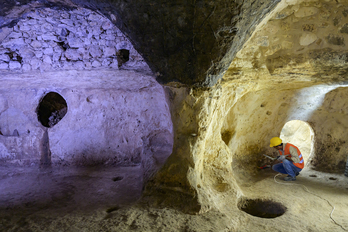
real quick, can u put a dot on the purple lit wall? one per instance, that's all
(116, 113)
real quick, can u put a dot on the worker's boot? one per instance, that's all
(290, 178)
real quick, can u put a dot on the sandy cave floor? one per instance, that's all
(305, 200)
(107, 199)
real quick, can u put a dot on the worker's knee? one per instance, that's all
(277, 167)
(273, 167)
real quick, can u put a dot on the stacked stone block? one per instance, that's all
(49, 39)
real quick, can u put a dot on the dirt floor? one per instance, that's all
(309, 201)
(107, 199)
(36, 199)
(87, 199)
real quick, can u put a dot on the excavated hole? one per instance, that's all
(52, 108)
(122, 56)
(63, 45)
(262, 208)
(112, 209)
(117, 178)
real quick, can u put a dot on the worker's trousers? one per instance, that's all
(287, 167)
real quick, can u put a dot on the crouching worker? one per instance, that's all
(290, 157)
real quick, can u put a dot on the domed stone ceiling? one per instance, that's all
(192, 44)
(186, 154)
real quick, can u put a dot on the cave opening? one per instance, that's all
(122, 56)
(262, 208)
(300, 134)
(52, 108)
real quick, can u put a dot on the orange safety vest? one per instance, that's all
(287, 152)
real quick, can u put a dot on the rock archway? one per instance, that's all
(301, 134)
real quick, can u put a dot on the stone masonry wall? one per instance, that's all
(49, 39)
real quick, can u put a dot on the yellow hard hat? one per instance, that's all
(275, 141)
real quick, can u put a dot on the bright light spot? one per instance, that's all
(308, 100)
(301, 135)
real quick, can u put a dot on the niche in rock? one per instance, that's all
(300, 134)
(122, 56)
(262, 208)
(52, 108)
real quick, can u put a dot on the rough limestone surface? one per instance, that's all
(191, 44)
(113, 118)
(60, 39)
(48, 39)
(274, 79)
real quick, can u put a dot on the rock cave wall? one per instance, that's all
(113, 126)
(284, 72)
(117, 114)
(185, 43)
(330, 125)
(295, 46)
(49, 39)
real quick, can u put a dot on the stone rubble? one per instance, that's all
(58, 40)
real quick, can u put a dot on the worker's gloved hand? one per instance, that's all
(281, 157)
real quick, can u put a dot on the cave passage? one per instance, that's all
(300, 134)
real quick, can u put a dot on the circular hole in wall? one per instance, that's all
(262, 208)
(300, 134)
(52, 108)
